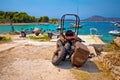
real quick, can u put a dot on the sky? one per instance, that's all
(56, 8)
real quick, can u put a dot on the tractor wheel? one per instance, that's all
(59, 55)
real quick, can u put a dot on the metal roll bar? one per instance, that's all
(77, 22)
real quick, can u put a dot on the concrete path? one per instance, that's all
(89, 39)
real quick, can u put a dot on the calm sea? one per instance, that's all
(99, 28)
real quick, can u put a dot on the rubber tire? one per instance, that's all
(57, 58)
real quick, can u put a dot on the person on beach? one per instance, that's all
(12, 27)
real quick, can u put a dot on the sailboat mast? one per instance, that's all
(77, 8)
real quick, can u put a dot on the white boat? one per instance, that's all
(112, 22)
(117, 24)
(74, 25)
(59, 28)
(115, 32)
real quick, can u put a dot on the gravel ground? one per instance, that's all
(27, 69)
(31, 60)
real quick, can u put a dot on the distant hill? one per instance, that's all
(100, 18)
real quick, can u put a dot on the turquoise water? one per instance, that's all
(102, 28)
(48, 27)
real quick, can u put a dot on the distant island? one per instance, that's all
(100, 19)
(23, 17)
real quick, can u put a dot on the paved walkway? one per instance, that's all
(89, 39)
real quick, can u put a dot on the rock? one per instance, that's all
(117, 41)
(111, 62)
(116, 72)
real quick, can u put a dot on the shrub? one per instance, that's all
(5, 39)
(44, 37)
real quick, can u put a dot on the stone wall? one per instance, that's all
(112, 63)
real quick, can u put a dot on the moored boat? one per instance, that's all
(117, 24)
(59, 28)
(114, 32)
(73, 26)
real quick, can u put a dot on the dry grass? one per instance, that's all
(113, 57)
(105, 73)
(111, 47)
(28, 44)
(80, 75)
(40, 38)
(5, 38)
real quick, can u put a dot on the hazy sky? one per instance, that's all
(56, 8)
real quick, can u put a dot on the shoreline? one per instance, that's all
(89, 39)
(16, 24)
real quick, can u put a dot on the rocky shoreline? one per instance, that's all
(111, 60)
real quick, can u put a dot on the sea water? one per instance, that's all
(97, 28)
(102, 28)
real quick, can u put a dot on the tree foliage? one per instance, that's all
(53, 20)
(20, 17)
(16, 17)
(44, 19)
